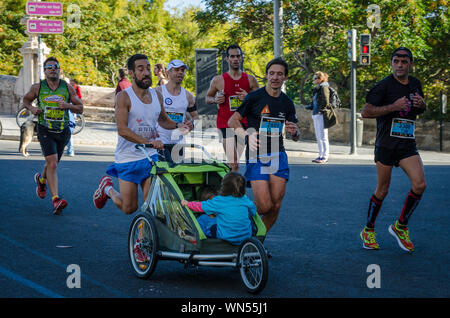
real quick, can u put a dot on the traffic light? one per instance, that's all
(351, 45)
(364, 54)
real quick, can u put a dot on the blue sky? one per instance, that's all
(181, 4)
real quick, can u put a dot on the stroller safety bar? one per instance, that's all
(201, 257)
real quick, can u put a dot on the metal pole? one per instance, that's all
(353, 109)
(277, 18)
(40, 67)
(277, 33)
(443, 110)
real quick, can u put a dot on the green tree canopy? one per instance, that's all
(314, 38)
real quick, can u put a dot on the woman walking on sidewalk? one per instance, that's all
(321, 99)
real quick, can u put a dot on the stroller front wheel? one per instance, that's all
(143, 245)
(253, 265)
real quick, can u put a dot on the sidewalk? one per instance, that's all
(105, 134)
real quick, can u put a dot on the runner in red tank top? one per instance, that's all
(227, 91)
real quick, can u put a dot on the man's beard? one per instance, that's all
(142, 84)
(235, 68)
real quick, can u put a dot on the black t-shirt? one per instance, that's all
(396, 129)
(259, 107)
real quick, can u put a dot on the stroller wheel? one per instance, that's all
(143, 245)
(253, 265)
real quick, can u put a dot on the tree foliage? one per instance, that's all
(109, 31)
(314, 38)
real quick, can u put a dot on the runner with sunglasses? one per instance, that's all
(55, 98)
(395, 102)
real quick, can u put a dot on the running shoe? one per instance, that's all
(368, 237)
(41, 188)
(318, 160)
(59, 205)
(402, 236)
(100, 196)
(140, 255)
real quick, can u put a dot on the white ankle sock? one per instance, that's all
(107, 188)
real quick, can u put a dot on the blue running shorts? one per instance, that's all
(133, 171)
(271, 164)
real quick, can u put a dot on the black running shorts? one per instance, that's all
(53, 142)
(392, 157)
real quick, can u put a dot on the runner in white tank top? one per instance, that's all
(138, 110)
(175, 107)
(142, 120)
(177, 103)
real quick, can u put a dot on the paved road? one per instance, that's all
(315, 243)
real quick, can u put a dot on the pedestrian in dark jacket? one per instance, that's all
(321, 100)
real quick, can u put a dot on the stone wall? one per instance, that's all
(9, 101)
(427, 131)
(99, 106)
(92, 95)
(98, 96)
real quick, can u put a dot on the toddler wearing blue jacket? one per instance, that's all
(232, 208)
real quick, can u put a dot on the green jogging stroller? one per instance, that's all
(165, 230)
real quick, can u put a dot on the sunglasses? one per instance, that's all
(51, 67)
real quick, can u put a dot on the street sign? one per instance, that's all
(45, 26)
(45, 8)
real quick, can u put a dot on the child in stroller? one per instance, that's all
(232, 209)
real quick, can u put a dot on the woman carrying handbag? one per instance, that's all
(323, 115)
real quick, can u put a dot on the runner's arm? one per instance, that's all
(235, 123)
(253, 83)
(30, 97)
(76, 106)
(192, 108)
(372, 111)
(214, 88)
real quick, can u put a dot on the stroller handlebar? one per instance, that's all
(143, 146)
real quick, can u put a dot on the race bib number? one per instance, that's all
(403, 128)
(53, 113)
(176, 117)
(234, 102)
(271, 127)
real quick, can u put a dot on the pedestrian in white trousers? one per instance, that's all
(321, 98)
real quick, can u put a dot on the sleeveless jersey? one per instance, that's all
(231, 87)
(142, 119)
(176, 107)
(52, 117)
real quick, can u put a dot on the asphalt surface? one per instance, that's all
(317, 252)
(315, 242)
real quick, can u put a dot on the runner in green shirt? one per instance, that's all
(55, 98)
